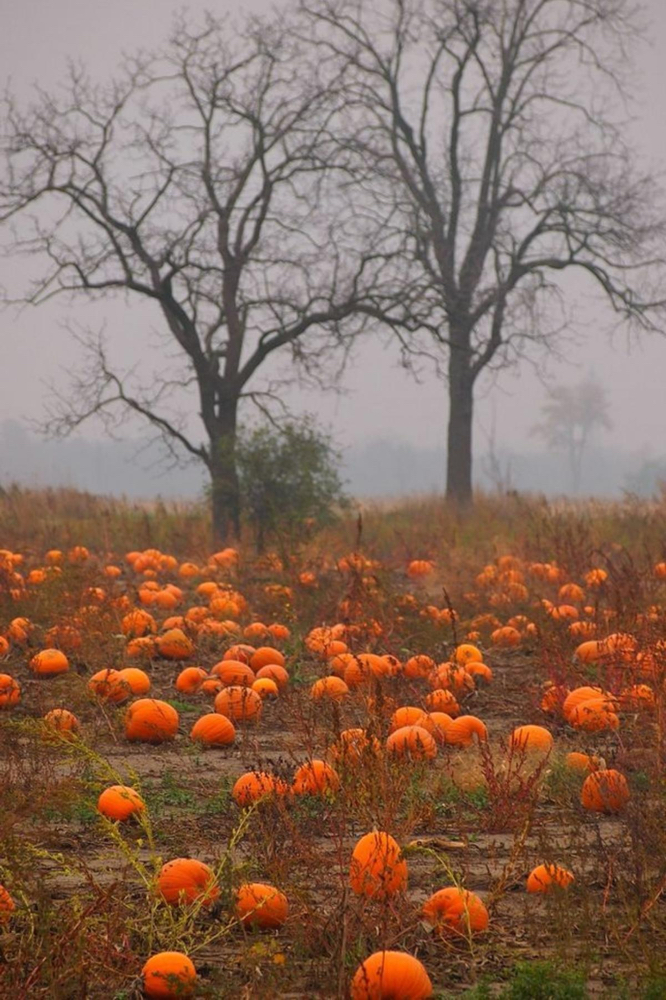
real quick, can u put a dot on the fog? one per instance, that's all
(382, 410)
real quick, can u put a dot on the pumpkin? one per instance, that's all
(105, 685)
(168, 975)
(594, 715)
(408, 715)
(141, 648)
(353, 746)
(439, 723)
(185, 880)
(7, 905)
(420, 568)
(190, 679)
(266, 656)
(174, 645)
(49, 662)
(315, 777)
(233, 673)
(330, 688)
(637, 697)
(265, 688)
(377, 868)
(260, 905)
(544, 878)
(412, 741)
(456, 909)
(60, 720)
(138, 623)
(482, 670)
(241, 704)
(578, 696)
(119, 802)
(149, 720)
(466, 653)
(280, 632)
(465, 730)
(256, 785)
(505, 637)
(136, 681)
(605, 791)
(418, 666)
(276, 673)
(10, 691)
(526, 739)
(442, 700)
(390, 975)
(338, 664)
(214, 730)
(241, 652)
(256, 630)
(575, 761)
(451, 677)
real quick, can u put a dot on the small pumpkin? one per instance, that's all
(240, 704)
(605, 791)
(545, 878)
(315, 777)
(266, 688)
(214, 730)
(186, 880)
(528, 739)
(414, 742)
(49, 663)
(150, 720)
(260, 905)
(7, 905)
(135, 680)
(465, 731)
(456, 909)
(175, 645)
(10, 691)
(390, 975)
(168, 975)
(190, 679)
(233, 673)
(354, 746)
(62, 721)
(119, 802)
(256, 785)
(442, 700)
(378, 869)
(330, 688)
(266, 656)
(274, 672)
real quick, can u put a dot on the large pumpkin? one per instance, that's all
(455, 909)
(261, 905)
(390, 975)
(149, 720)
(414, 742)
(168, 975)
(377, 868)
(315, 777)
(605, 791)
(213, 729)
(119, 802)
(241, 704)
(185, 880)
(256, 785)
(49, 662)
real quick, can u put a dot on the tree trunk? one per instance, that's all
(459, 441)
(225, 490)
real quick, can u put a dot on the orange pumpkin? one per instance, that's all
(526, 739)
(233, 673)
(61, 721)
(442, 700)
(266, 688)
(605, 791)
(418, 666)
(190, 679)
(266, 656)
(408, 715)
(7, 905)
(49, 662)
(330, 688)
(456, 909)
(185, 880)
(174, 645)
(390, 975)
(505, 637)
(466, 653)
(439, 723)
(136, 681)
(377, 868)
(168, 975)
(119, 802)
(414, 742)
(256, 785)
(354, 746)
(465, 731)
(276, 673)
(578, 696)
(149, 720)
(594, 715)
(420, 568)
(544, 878)
(240, 704)
(138, 623)
(575, 761)
(315, 777)
(213, 730)
(10, 691)
(261, 905)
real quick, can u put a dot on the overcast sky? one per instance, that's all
(380, 399)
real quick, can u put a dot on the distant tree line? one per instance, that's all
(423, 167)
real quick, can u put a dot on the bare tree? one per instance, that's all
(488, 134)
(203, 181)
(570, 416)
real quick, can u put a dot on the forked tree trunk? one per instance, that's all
(225, 489)
(459, 439)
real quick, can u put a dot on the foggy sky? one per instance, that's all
(380, 399)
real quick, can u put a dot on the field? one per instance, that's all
(498, 615)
